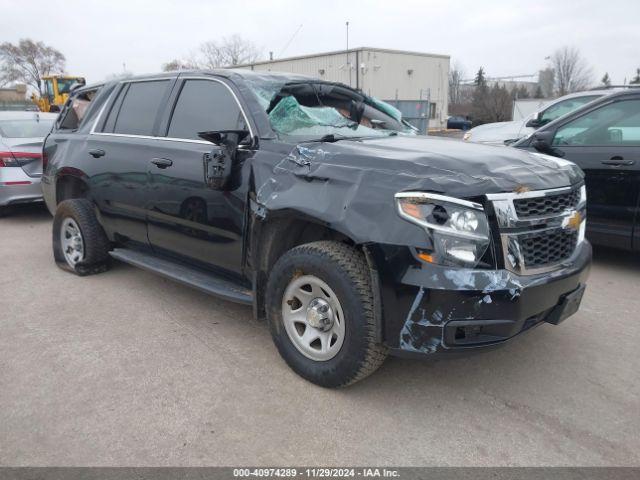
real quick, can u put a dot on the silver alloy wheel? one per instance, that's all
(313, 318)
(71, 241)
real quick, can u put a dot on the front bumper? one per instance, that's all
(17, 187)
(435, 309)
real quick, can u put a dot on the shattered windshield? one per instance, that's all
(313, 110)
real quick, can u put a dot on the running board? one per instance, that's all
(205, 282)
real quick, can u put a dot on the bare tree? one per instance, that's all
(177, 64)
(227, 52)
(28, 62)
(456, 74)
(572, 73)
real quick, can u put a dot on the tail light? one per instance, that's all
(45, 160)
(7, 160)
(17, 159)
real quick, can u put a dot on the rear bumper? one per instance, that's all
(17, 187)
(439, 310)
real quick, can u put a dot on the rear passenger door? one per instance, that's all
(186, 217)
(120, 149)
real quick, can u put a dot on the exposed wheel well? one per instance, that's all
(270, 240)
(68, 187)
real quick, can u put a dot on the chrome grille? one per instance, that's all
(548, 205)
(548, 248)
(539, 230)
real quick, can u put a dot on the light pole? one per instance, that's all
(348, 57)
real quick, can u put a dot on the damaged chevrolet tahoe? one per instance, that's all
(320, 207)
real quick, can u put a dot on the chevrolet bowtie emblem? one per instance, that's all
(574, 221)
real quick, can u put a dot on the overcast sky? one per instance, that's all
(506, 37)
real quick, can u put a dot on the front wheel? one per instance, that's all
(320, 311)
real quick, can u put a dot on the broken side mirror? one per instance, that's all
(219, 162)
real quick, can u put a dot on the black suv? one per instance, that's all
(319, 206)
(603, 138)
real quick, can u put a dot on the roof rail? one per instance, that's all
(606, 87)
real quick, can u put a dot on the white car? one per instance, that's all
(21, 137)
(505, 133)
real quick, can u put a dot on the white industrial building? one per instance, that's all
(410, 79)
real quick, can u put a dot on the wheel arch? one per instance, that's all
(70, 186)
(270, 238)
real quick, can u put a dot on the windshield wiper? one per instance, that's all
(331, 138)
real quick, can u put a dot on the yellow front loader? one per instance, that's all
(55, 89)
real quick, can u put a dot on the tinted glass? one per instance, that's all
(564, 107)
(140, 107)
(614, 124)
(204, 105)
(113, 110)
(32, 128)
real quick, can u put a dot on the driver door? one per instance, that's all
(186, 217)
(605, 143)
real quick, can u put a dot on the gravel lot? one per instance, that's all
(127, 368)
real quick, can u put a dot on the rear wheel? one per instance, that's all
(79, 242)
(320, 312)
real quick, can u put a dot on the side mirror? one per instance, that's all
(535, 121)
(219, 162)
(543, 142)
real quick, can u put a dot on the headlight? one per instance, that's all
(459, 229)
(466, 137)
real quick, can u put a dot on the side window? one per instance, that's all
(564, 107)
(617, 123)
(135, 110)
(74, 111)
(204, 105)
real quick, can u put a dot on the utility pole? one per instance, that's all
(348, 57)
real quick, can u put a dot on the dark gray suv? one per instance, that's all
(320, 207)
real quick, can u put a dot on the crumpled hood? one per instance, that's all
(350, 185)
(442, 165)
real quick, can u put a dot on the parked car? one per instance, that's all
(21, 136)
(458, 122)
(501, 133)
(314, 204)
(603, 138)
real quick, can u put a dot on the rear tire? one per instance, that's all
(334, 278)
(79, 242)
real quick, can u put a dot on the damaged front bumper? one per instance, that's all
(433, 309)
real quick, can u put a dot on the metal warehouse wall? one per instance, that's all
(385, 74)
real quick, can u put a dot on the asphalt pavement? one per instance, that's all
(129, 369)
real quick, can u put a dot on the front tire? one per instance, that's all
(79, 242)
(320, 312)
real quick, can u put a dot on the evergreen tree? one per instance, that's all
(480, 80)
(538, 93)
(606, 81)
(636, 80)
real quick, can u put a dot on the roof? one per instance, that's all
(221, 72)
(344, 52)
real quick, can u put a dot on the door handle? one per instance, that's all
(97, 153)
(162, 162)
(618, 161)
